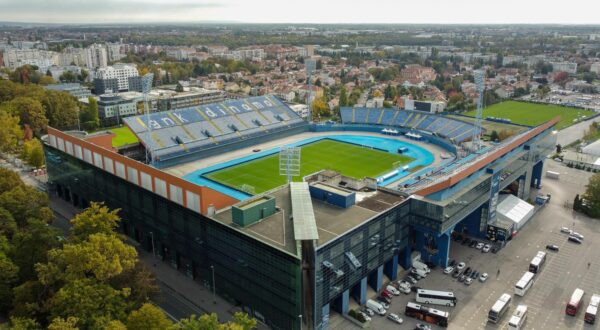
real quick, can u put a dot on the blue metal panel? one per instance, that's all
(359, 292)
(536, 175)
(376, 278)
(391, 268)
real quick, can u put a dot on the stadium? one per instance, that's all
(297, 218)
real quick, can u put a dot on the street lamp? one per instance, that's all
(212, 269)
(153, 251)
(300, 316)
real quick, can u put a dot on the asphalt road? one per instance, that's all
(575, 132)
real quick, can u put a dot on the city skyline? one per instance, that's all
(309, 11)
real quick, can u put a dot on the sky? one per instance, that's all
(302, 11)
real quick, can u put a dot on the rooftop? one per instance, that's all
(332, 221)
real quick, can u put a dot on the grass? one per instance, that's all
(123, 136)
(533, 114)
(348, 159)
(490, 126)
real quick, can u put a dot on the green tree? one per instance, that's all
(592, 196)
(70, 323)
(23, 323)
(46, 80)
(244, 321)
(96, 219)
(9, 274)
(88, 301)
(241, 321)
(25, 202)
(30, 246)
(8, 180)
(494, 136)
(62, 109)
(343, 97)
(33, 153)
(89, 116)
(10, 131)
(179, 88)
(148, 317)
(8, 225)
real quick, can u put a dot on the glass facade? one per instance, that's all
(372, 244)
(264, 280)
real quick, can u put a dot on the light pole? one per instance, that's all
(300, 316)
(212, 269)
(152, 240)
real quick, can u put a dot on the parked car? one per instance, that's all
(386, 293)
(467, 271)
(483, 277)
(456, 273)
(404, 289)
(495, 250)
(460, 265)
(466, 241)
(473, 243)
(552, 247)
(415, 288)
(486, 248)
(402, 283)
(474, 275)
(462, 278)
(468, 281)
(391, 289)
(368, 311)
(365, 316)
(575, 239)
(411, 279)
(452, 263)
(382, 299)
(395, 318)
(421, 326)
(479, 246)
(578, 235)
(565, 230)
(448, 270)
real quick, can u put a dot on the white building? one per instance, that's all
(121, 72)
(114, 52)
(14, 58)
(595, 67)
(96, 56)
(73, 56)
(568, 67)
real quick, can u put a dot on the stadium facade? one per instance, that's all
(303, 249)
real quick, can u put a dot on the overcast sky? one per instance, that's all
(302, 11)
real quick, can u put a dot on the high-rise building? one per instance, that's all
(96, 56)
(14, 58)
(114, 52)
(110, 79)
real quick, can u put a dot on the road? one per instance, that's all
(573, 133)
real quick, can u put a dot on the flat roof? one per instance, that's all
(331, 221)
(305, 226)
(333, 190)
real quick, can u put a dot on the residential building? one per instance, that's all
(115, 78)
(568, 67)
(114, 52)
(595, 67)
(14, 58)
(73, 56)
(416, 74)
(96, 56)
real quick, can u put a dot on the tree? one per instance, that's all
(241, 321)
(25, 202)
(320, 107)
(46, 80)
(9, 274)
(33, 153)
(101, 256)
(148, 317)
(319, 64)
(70, 323)
(577, 203)
(96, 219)
(62, 109)
(90, 302)
(343, 97)
(30, 247)
(10, 132)
(494, 136)
(8, 180)
(179, 88)
(558, 148)
(592, 196)
(89, 116)
(30, 112)
(68, 77)
(244, 321)
(21, 323)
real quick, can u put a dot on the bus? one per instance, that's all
(574, 302)
(537, 262)
(427, 314)
(436, 297)
(518, 318)
(524, 284)
(500, 307)
(592, 309)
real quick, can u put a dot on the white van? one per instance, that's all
(420, 272)
(376, 307)
(518, 318)
(418, 264)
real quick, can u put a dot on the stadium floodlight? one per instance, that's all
(289, 162)
(146, 87)
(479, 76)
(311, 65)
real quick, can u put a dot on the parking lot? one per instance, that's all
(562, 272)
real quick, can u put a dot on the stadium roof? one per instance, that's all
(305, 225)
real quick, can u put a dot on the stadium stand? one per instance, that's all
(455, 130)
(184, 131)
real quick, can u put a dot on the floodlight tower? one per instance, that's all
(480, 84)
(311, 65)
(146, 87)
(289, 162)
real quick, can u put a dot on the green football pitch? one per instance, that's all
(533, 114)
(351, 160)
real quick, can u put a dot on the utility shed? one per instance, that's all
(253, 210)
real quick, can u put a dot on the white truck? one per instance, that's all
(376, 307)
(552, 175)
